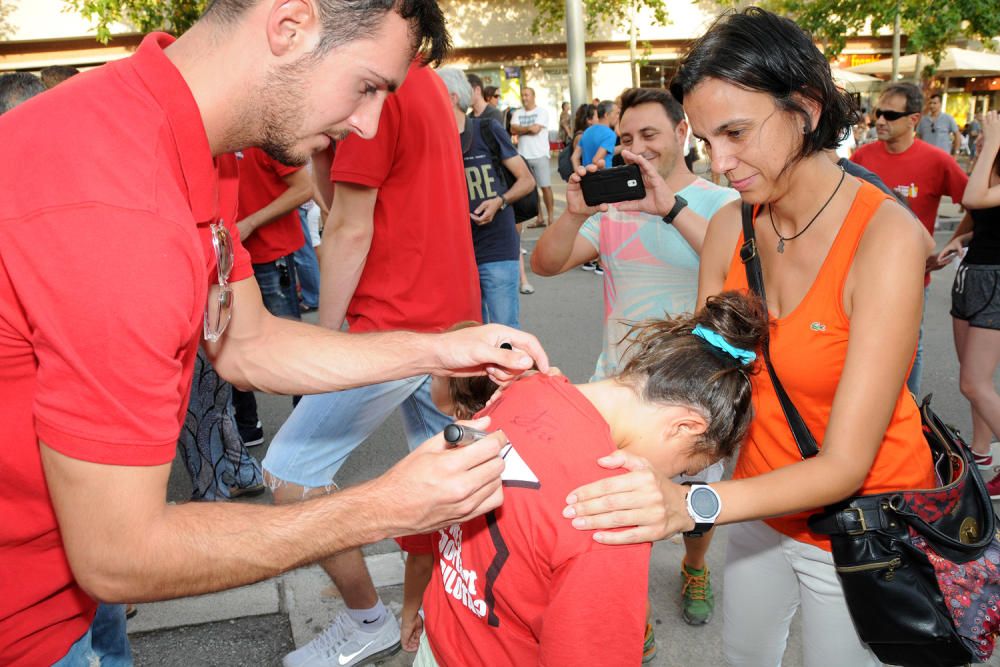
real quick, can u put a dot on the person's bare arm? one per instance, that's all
(961, 237)
(520, 129)
(599, 156)
(347, 239)
(561, 247)
(125, 544)
(418, 572)
(887, 267)
(978, 193)
(577, 156)
(323, 189)
(523, 184)
(284, 356)
(300, 190)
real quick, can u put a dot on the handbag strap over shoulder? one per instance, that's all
(755, 279)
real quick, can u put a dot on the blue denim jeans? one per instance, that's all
(324, 429)
(913, 381)
(498, 282)
(105, 644)
(307, 266)
(278, 287)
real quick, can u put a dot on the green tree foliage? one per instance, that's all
(928, 25)
(174, 16)
(551, 16)
(6, 9)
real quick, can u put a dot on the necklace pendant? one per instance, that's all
(781, 245)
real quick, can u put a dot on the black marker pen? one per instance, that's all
(456, 435)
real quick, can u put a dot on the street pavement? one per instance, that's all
(258, 624)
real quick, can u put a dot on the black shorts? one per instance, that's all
(975, 295)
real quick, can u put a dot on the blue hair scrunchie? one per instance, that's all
(716, 340)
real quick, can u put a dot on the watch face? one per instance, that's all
(704, 502)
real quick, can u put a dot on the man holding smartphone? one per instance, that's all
(649, 249)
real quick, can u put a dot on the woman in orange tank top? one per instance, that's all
(843, 269)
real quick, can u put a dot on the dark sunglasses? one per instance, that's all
(890, 115)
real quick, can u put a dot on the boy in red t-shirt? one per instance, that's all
(519, 585)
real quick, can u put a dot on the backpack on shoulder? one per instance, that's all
(526, 207)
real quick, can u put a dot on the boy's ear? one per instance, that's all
(689, 423)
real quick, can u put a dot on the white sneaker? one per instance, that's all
(345, 643)
(991, 471)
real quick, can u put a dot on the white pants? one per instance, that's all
(768, 576)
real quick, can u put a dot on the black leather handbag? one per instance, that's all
(920, 569)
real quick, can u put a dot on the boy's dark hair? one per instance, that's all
(668, 364)
(935, 95)
(56, 74)
(476, 82)
(909, 92)
(604, 108)
(763, 52)
(633, 97)
(18, 87)
(347, 20)
(468, 395)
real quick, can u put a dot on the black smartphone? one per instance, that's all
(608, 186)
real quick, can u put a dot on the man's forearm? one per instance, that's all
(290, 357)
(244, 543)
(555, 246)
(343, 255)
(692, 227)
(286, 202)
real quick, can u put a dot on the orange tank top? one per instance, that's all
(808, 349)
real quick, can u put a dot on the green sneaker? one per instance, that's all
(648, 645)
(697, 601)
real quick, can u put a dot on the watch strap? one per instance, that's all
(700, 527)
(679, 205)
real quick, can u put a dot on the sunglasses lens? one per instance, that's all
(218, 311)
(223, 243)
(889, 115)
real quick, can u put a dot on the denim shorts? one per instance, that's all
(975, 295)
(324, 429)
(105, 643)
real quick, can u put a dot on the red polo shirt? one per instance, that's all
(420, 272)
(261, 182)
(105, 259)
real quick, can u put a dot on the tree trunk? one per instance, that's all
(897, 28)
(633, 38)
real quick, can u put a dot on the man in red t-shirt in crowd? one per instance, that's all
(114, 268)
(920, 173)
(270, 230)
(398, 254)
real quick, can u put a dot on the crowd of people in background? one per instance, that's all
(439, 250)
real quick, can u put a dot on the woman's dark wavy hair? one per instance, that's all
(583, 114)
(766, 53)
(668, 364)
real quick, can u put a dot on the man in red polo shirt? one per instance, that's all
(114, 268)
(270, 230)
(398, 254)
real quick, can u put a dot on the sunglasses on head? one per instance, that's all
(890, 115)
